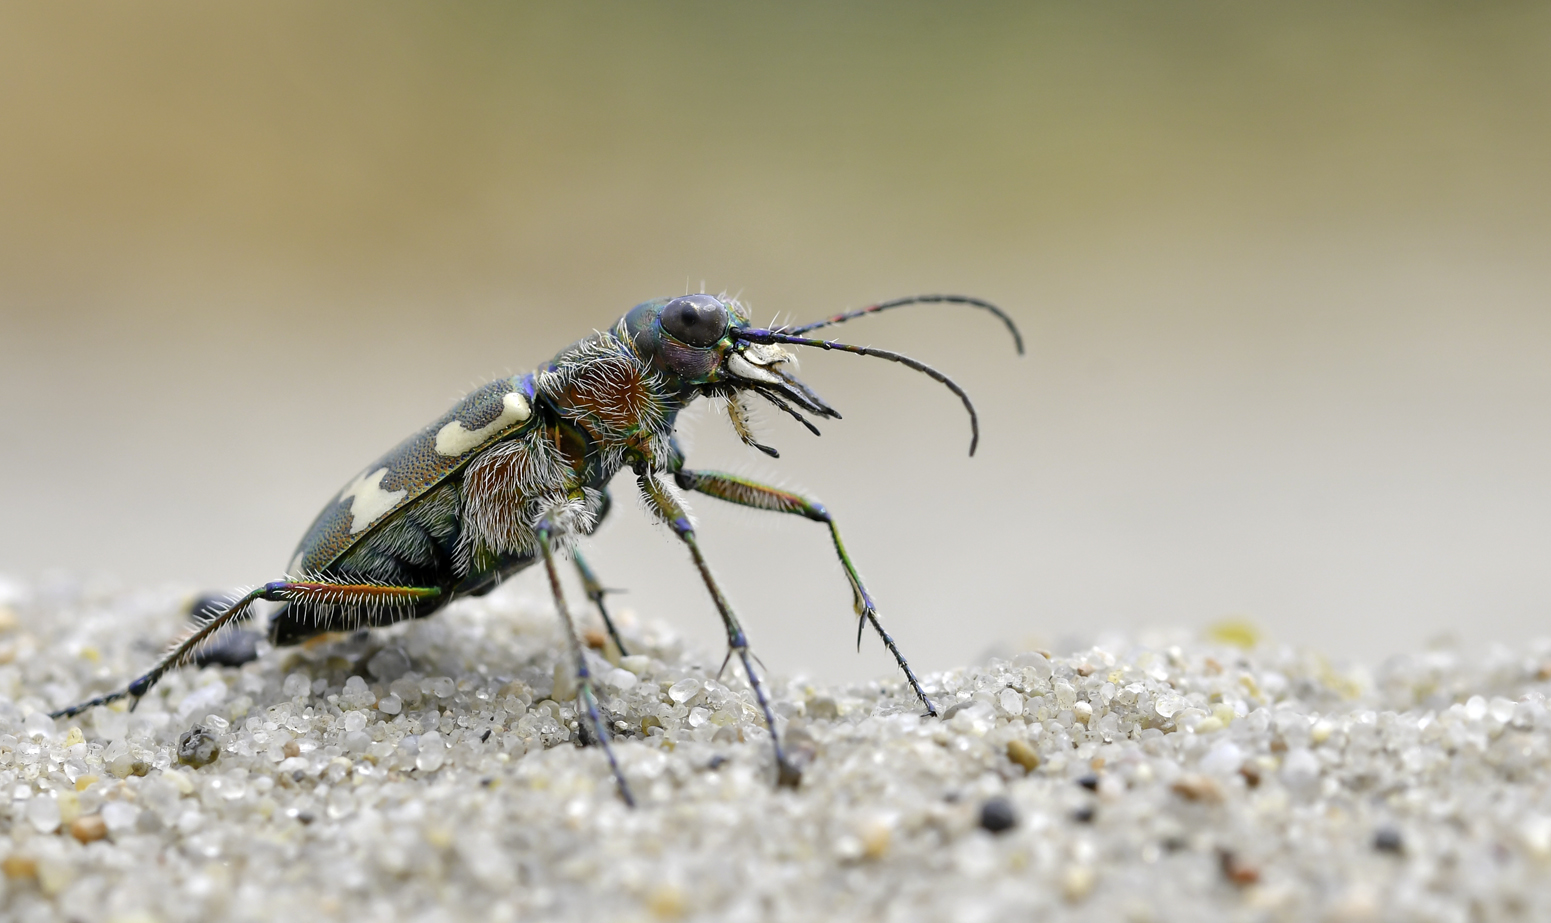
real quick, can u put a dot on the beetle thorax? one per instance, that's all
(603, 388)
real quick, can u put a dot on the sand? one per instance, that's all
(427, 772)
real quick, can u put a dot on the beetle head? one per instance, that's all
(694, 341)
(706, 346)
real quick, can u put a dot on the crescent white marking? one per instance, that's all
(766, 354)
(743, 368)
(368, 501)
(455, 439)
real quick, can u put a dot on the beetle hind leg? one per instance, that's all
(314, 592)
(231, 649)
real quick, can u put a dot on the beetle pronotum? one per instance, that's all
(517, 472)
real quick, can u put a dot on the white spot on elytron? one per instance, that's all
(454, 439)
(742, 368)
(369, 501)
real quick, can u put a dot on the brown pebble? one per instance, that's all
(1087, 669)
(19, 867)
(88, 828)
(1251, 774)
(595, 639)
(1193, 787)
(292, 748)
(666, 901)
(1023, 753)
(1236, 870)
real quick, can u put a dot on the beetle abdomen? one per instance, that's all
(411, 469)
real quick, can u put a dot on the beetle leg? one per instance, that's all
(585, 696)
(745, 492)
(671, 512)
(238, 647)
(595, 592)
(276, 591)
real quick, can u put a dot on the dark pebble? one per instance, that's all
(998, 815)
(1387, 839)
(1090, 781)
(198, 747)
(1084, 814)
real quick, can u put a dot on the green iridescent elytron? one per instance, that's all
(517, 472)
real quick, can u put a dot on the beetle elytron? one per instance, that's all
(518, 470)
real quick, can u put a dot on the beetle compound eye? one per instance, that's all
(698, 320)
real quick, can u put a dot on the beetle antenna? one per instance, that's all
(773, 336)
(1017, 337)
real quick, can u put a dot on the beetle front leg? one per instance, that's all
(310, 591)
(745, 492)
(585, 696)
(671, 512)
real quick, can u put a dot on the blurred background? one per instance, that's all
(1282, 270)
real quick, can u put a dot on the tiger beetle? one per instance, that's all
(518, 471)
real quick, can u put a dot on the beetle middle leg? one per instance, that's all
(671, 512)
(745, 492)
(317, 592)
(585, 696)
(596, 591)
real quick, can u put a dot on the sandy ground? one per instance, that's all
(427, 773)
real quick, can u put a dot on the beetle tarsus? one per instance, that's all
(915, 684)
